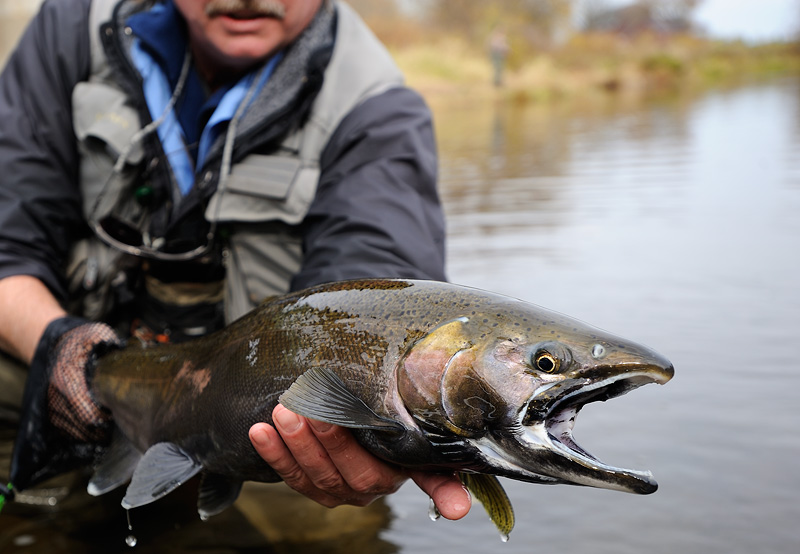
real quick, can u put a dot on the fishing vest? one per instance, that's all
(265, 196)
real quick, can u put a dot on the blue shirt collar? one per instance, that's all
(162, 31)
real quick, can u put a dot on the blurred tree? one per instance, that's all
(375, 8)
(540, 23)
(396, 22)
(662, 16)
(675, 14)
(592, 11)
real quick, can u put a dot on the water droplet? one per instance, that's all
(598, 351)
(433, 511)
(24, 540)
(130, 540)
(504, 537)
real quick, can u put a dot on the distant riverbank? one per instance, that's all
(590, 65)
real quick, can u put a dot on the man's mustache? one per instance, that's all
(269, 8)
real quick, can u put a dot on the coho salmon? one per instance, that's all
(428, 375)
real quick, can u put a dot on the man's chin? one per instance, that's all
(244, 44)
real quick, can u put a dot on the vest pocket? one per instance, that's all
(262, 202)
(265, 188)
(104, 125)
(101, 111)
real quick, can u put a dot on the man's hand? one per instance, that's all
(61, 424)
(70, 404)
(325, 463)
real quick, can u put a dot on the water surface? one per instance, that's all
(673, 223)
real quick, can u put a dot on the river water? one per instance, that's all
(674, 222)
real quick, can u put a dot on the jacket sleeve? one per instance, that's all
(377, 211)
(39, 197)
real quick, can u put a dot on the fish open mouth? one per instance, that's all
(559, 421)
(544, 450)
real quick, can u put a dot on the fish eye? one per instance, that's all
(546, 362)
(550, 357)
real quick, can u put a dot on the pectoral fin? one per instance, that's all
(216, 493)
(320, 394)
(489, 492)
(162, 469)
(116, 467)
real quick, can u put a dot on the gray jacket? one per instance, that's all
(333, 172)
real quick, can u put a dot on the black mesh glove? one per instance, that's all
(62, 427)
(70, 405)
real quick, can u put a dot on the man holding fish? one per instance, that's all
(166, 165)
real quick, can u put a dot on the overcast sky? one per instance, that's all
(753, 20)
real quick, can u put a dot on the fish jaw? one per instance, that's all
(541, 448)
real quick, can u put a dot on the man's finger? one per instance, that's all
(272, 449)
(309, 453)
(363, 472)
(448, 493)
